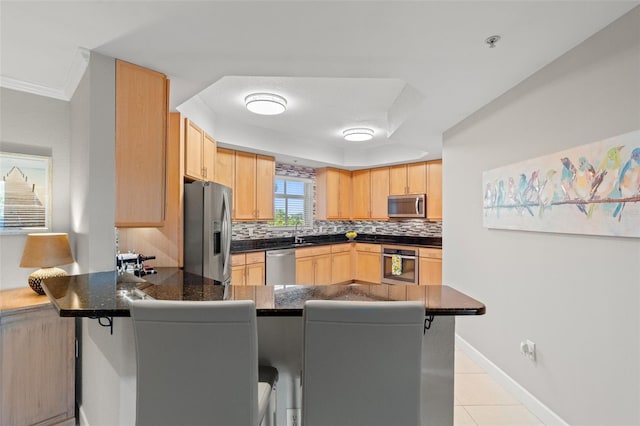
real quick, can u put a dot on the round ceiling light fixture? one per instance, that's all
(266, 103)
(358, 134)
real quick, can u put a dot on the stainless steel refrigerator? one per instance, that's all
(207, 230)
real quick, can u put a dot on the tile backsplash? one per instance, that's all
(410, 227)
(258, 230)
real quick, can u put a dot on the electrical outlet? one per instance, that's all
(293, 417)
(250, 232)
(528, 349)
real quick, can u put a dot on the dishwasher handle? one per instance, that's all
(280, 253)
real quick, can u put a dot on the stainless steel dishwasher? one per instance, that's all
(281, 267)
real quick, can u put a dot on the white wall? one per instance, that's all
(32, 124)
(93, 166)
(92, 223)
(577, 297)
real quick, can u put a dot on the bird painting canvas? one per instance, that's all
(591, 189)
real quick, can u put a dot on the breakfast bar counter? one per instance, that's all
(110, 351)
(107, 294)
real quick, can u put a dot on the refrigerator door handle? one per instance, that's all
(226, 234)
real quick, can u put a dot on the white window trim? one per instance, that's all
(308, 200)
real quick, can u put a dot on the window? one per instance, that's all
(292, 201)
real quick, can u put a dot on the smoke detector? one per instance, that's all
(492, 40)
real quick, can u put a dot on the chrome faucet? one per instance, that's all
(296, 239)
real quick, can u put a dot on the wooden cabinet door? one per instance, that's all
(305, 270)
(255, 274)
(379, 193)
(265, 172)
(398, 180)
(245, 186)
(417, 178)
(434, 190)
(38, 367)
(333, 194)
(322, 268)
(361, 187)
(344, 194)
(193, 141)
(341, 264)
(368, 267)
(238, 275)
(224, 170)
(430, 271)
(140, 146)
(208, 157)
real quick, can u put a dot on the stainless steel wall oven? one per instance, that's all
(399, 265)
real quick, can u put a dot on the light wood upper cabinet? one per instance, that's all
(361, 186)
(408, 179)
(379, 193)
(141, 137)
(209, 157)
(333, 194)
(225, 167)
(434, 190)
(200, 152)
(253, 188)
(265, 173)
(244, 199)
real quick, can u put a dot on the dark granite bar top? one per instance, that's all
(101, 294)
(245, 246)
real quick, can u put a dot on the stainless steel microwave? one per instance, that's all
(407, 205)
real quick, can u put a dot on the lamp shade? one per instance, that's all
(46, 250)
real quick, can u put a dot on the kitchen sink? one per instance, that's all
(302, 244)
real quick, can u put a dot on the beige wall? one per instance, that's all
(577, 297)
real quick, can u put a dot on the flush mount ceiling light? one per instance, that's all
(266, 103)
(358, 134)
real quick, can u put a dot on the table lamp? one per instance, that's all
(45, 251)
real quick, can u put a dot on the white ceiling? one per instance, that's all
(409, 70)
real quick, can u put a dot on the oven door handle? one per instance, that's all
(402, 256)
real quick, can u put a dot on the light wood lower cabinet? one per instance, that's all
(38, 366)
(342, 263)
(368, 262)
(248, 269)
(313, 265)
(430, 266)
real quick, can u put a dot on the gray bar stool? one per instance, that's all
(361, 364)
(197, 364)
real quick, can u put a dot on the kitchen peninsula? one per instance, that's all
(106, 295)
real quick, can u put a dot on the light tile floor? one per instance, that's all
(480, 401)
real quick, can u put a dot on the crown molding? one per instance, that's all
(36, 89)
(76, 71)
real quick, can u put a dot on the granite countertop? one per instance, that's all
(101, 294)
(245, 246)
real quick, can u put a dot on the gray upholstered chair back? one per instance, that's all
(362, 363)
(197, 363)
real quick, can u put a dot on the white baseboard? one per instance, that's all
(83, 417)
(534, 405)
